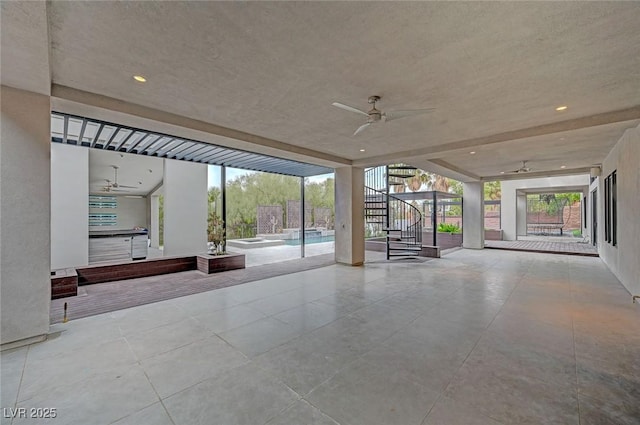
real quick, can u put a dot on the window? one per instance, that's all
(610, 209)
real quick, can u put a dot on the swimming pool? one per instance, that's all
(309, 240)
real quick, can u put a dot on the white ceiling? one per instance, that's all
(494, 71)
(143, 172)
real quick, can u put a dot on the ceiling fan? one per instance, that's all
(111, 188)
(523, 169)
(375, 115)
(113, 185)
(115, 179)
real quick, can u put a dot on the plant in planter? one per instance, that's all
(451, 228)
(216, 234)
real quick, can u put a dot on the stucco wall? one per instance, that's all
(69, 206)
(349, 195)
(623, 259)
(185, 208)
(24, 214)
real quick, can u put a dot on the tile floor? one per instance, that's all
(477, 337)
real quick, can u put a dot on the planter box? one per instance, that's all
(220, 263)
(64, 283)
(444, 240)
(99, 273)
(492, 235)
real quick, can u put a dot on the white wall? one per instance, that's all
(349, 225)
(25, 204)
(521, 214)
(508, 204)
(185, 208)
(623, 259)
(154, 225)
(69, 206)
(473, 215)
(131, 212)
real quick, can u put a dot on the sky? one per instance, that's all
(214, 175)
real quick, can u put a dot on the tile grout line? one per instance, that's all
(139, 363)
(575, 354)
(471, 351)
(24, 367)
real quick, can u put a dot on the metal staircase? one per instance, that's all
(388, 215)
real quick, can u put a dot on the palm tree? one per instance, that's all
(441, 184)
(415, 182)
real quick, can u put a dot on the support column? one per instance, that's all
(154, 230)
(349, 221)
(185, 208)
(521, 215)
(223, 199)
(69, 206)
(302, 217)
(25, 205)
(473, 215)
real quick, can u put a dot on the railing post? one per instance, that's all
(388, 199)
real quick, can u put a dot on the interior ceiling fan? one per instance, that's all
(375, 115)
(114, 186)
(523, 169)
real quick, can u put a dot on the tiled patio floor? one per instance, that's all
(475, 338)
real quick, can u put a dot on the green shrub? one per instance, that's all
(577, 233)
(449, 228)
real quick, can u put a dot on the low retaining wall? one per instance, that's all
(64, 283)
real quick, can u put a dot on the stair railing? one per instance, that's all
(386, 213)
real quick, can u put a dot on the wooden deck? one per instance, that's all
(567, 248)
(111, 296)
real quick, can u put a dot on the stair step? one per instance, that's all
(400, 254)
(401, 176)
(402, 167)
(410, 251)
(404, 243)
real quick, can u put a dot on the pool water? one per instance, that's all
(309, 240)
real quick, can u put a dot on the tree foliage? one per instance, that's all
(246, 192)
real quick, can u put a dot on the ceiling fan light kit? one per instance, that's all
(375, 115)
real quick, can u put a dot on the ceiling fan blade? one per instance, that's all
(125, 186)
(361, 128)
(349, 108)
(394, 115)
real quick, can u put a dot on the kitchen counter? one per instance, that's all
(113, 244)
(115, 233)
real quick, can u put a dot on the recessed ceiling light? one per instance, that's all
(501, 172)
(561, 108)
(472, 153)
(361, 150)
(563, 166)
(140, 78)
(562, 138)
